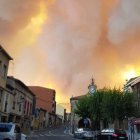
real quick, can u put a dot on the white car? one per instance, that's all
(89, 134)
(84, 133)
(23, 136)
(11, 131)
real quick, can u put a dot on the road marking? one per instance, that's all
(41, 135)
(50, 132)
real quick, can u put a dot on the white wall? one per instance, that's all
(60, 110)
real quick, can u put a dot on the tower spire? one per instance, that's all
(92, 80)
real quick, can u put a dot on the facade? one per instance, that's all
(4, 95)
(75, 121)
(133, 85)
(21, 104)
(60, 111)
(45, 98)
(45, 107)
(31, 107)
(74, 118)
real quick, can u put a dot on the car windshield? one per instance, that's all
(5, 127)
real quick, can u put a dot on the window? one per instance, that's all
(6, 103)
(27, 108)
(14, 103)
(0, 66)
(25, 105)
(4, 71)
(31, 108)
(1, 95)
(19, 107)
(5, 127)
(5, 107)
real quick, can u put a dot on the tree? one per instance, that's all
(82, 107)
(129, 105)
(107, 105)
(96, 108)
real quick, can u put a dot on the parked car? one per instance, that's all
(11, 131)
(23, 136)
(89, 134)
(112, 134)
(84, 133)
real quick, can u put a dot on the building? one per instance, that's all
(60, 112)
(21, 104)
(45, 107)
(92, 87)
(4, 95)
(75, 121)
(133, 85)
(74, 118)
(45, 98)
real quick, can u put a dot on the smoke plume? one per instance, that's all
(61, 44)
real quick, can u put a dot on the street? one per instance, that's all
(54, 134)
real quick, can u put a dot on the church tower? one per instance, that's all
(92, 87)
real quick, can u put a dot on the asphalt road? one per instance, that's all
(56, 134)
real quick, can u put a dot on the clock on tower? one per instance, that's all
(92, 87)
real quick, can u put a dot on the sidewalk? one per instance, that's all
(136, 135)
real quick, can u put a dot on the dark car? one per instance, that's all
(112, 134)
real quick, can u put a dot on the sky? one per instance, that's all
(62, 44)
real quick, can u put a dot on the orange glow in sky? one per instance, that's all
(29, 34)
(61, 44)
(130, 72)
